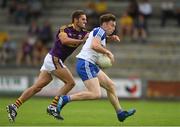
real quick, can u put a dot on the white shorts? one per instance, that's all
(51, 63)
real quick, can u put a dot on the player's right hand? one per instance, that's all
(111, 56)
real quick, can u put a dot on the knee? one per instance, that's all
(71, 83)
(97, 95)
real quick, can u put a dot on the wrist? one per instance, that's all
(107, 52)
(81, 41)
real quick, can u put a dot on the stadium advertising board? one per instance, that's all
(128, 88)
(125, 88)
(13, 83)
(163, 89)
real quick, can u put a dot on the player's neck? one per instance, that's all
(103, 27)
(76, 27)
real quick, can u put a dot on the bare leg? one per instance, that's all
(43, 79)
(108, 84)
(93, 92)
(63, 73)
(66, 76)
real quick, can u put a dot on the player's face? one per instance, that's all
(82, 21)
(110, 27)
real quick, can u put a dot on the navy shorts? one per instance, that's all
(86, 70)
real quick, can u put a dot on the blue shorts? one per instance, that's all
(86, 70)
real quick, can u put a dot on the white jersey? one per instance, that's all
(87, 53)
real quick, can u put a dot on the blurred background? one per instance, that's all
(147, 58)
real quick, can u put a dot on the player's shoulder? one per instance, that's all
(85, 30)
(98, 31)
(97, 28)
(62, 28)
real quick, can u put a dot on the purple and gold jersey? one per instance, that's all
(63, 51)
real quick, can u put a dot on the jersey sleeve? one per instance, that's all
(63, 29)
(99, 32)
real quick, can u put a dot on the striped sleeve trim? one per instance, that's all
(63, 28)
(98, 32)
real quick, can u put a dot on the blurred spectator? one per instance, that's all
(39, 52)
(12, 7)
(33, 29)
(145, 8)
(177, 11)
(7, 48)
(167, 11)
(25, 54)
(126, 26)
(33, 32)
(45, 33)
(34, 46)
(133, 9)
(90, 7)
(3, 3)
(11, 10)
(21, 12)
(3, 39)
(139, 32)
(101, 7)
(91, 14)
(35, 9)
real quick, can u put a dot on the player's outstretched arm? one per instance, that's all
(69, 41)
(113, 38)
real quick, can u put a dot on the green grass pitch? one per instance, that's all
(93, 113)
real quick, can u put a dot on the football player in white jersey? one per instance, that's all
(91, 74)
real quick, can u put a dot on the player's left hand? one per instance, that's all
(114, 38)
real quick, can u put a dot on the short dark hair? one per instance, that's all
(106, 18)
(76, 14)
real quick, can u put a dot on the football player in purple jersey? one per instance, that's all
(68, 38)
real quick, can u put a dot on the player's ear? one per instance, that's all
(75, 20)
(105, 24)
